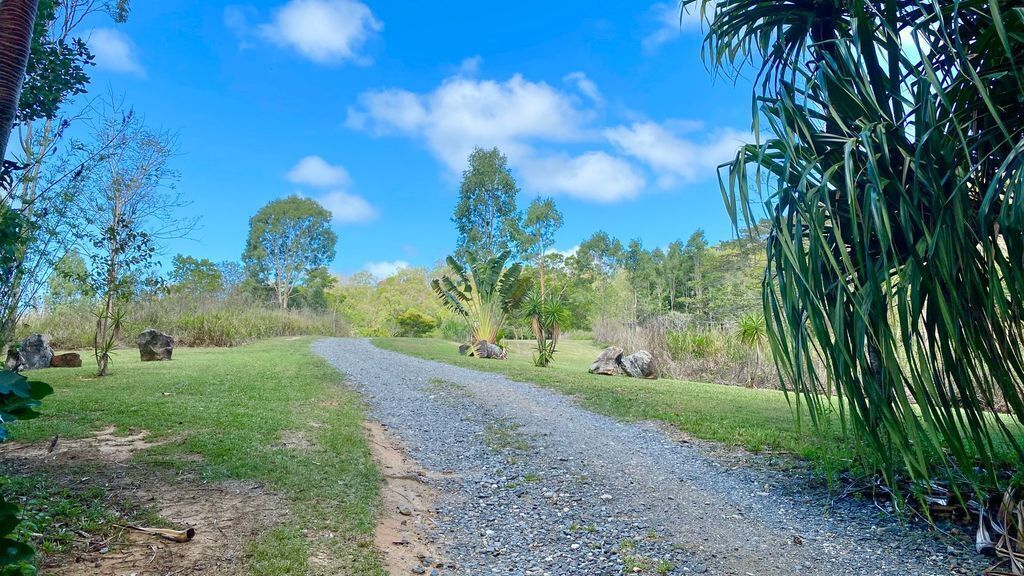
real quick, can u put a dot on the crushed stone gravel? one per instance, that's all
(533, 484)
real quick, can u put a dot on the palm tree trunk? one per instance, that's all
(17, 18)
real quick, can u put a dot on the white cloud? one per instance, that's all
(515, 115)
(463, 113)
(593, 176)
(114, 51)
(585, 85)
(671, 24)
(673, 157)
(382, 270)
(315, 171)
(324, 31)
(565, 253)
(347, 208)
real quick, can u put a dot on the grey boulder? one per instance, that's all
(639, 364)
(608, 362)
(154, 346)
(34, 353)
(485, 349)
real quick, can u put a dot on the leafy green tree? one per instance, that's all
(195, 276)
(542, 221)
(486, 216)
(287, 239)
(69, 282)
(313, 293)
(486, 294)
(695, 255)
(232, 275)
(673, 273)
(892, 167)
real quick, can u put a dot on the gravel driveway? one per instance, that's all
(535, 484)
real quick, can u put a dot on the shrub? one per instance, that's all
(414, 323)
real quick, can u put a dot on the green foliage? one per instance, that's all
(752, 331)
(287, 239)
(195, 276)
(313, 293)
(892, 170)
(547, 314)
(415, 323)
(486, 216)
(372, 307)
(486, 294)
(19, 398)
(541, 223)
(15, 557)
(56, 67)
(68, 283)
(692, 344)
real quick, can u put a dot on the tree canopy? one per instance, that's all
(288, 238)
(486, 216)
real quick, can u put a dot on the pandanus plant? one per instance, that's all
(546, 314)
(485, 293)
(890, 159)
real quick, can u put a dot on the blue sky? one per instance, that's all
(371, 107)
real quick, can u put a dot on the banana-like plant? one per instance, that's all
(485, 293)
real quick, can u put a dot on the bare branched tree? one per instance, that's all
(129, 200)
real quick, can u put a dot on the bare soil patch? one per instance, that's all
(226, 516)
(408, 506)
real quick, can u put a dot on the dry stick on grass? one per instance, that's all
(166, 533)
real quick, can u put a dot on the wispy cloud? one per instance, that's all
(315, 171)
(673, 156)
(348, 208)
(114, 51)
(382, 270)
(670, 23)
(323, 31)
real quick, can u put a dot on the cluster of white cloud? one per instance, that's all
(382, 270)
(527, 119)
(345, 207)
(323, 31)
(114, 51)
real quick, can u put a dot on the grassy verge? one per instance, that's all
(232, 407)
(757, 420)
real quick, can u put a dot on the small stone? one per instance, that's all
(606, 497)
(418, 570)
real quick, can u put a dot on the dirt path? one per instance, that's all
(529, 483)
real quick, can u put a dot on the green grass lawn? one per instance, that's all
(757, 420)
(231, 406)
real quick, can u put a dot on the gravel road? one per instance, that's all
(533, 484)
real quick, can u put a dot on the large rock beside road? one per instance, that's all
(639, 364)
(154, 346)
(608, 362)
(35, 352)
(486, 349)
(613, 362)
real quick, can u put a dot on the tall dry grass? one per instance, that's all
(686, 350)
(192, 321)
